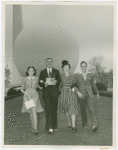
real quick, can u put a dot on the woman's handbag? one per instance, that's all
(30, 103)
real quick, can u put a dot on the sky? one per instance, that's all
(84, 32)
(90, 26)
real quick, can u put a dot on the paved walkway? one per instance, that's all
(18, 127)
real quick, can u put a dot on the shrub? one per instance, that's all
(101, 86)
(106, 93)
(14, 91)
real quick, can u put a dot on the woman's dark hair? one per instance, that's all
(64, 63)
(27, 74)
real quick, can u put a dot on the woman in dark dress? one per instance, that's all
(68, 97)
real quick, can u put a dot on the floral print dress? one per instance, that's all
(30, 84)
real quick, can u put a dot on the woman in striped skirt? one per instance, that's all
(68, 97)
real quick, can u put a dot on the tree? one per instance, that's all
(111, 72)
(110, 78)
(7, 76)
(96, 66)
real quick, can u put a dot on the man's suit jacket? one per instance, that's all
(42, 79)
(84, 86)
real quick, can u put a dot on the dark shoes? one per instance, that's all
(35, 132)
(74, 129)
(95, 128)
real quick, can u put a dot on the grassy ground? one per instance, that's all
(18, 127)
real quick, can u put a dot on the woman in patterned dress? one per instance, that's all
(30, 83)
(68, 97)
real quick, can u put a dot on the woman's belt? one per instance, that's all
(30, 88)
(66, 86)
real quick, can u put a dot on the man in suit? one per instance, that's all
(50, 94)
(84, 83)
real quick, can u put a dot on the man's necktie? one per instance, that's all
(49, 73)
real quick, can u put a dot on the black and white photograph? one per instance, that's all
(58, 74)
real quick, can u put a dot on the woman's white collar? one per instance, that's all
(31, 77)
(82, 73)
